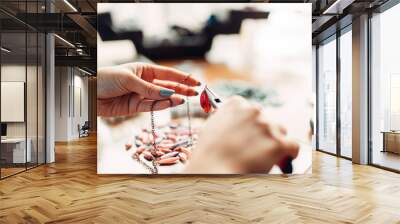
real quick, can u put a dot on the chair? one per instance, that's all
(84, 130)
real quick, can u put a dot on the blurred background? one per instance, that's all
(254, 38)
(260, 51)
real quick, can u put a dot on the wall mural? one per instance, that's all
(207, 94)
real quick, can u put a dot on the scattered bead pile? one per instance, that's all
(174, 144)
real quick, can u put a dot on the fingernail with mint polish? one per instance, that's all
(166, 92)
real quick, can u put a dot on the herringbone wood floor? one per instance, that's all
(70, 191)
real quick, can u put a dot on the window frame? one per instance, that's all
(334, 37)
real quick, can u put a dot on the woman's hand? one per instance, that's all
(237, 140)
(137, 87)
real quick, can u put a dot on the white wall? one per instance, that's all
(70, 83)
(12, 73)
(33, 127)
(61, 103)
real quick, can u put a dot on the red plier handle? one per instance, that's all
(208, 100)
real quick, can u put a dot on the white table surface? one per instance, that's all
(113, 158)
